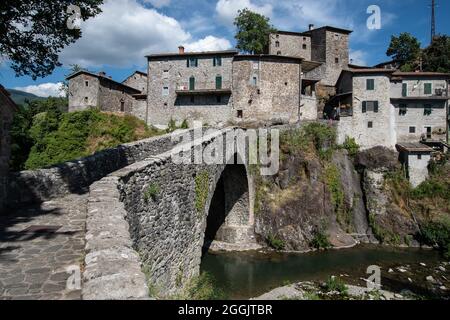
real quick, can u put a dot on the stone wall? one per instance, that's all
(418, 168)
(111, 96)
(78, 92)
(266, 89)
(76, 176)
(291, 45)
(173, 73)
(309, 108)
(138, 81)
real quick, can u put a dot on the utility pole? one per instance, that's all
(433, 20)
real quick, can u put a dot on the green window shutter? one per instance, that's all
(214, 62)
(364, 106)
(404, 89)
(218, 82)
(219, 61)
(376, 106)
(427, 89)
(196, 62)
(191, 83)
(370, 84)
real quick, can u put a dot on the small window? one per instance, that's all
(86, 83)
(403, 109)
(336, 36)
(192, 63)
(304, 46)
(278, 36)
(165, 91)
(219, 82)
(86, 99)
(412, 129)
(192, 83)
(427, 88)
(165, 73)
(370, 84)
(277, 44)
(278, 53)
(122, 106)
(429, 132)
(370, 106)
(428, 110)
(419, 157)
(336, 60)
(217, 61)
(285, 83)
(255, 81)
(370, 124)
(240, 114)
(404, 90)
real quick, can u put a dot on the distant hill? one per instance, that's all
(19, 97)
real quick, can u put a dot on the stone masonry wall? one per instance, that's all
(78, 91)
(76, 176)
(291, 45)
(138, 81)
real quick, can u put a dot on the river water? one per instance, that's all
(247, 275)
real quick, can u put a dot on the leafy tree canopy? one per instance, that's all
(436, 58)
(406, 50)
(33, 32)
(253, 31)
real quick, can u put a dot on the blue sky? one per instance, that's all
(117, 40)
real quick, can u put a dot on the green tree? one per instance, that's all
(33, 32)
(253, 31)
(406, 50)
(436, 58)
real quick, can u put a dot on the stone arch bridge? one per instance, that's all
(150, 219)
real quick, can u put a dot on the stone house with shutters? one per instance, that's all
(387, 107)
(224, 86)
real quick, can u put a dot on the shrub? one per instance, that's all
(171, 126)
(334, 284)
(351, 146)
(184, 124)
(320, 240)
(275, 243)
(152, 192)
(322, 136)
(432, 189)
(437, 234)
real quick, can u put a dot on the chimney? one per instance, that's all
(311, 27)
(181, 50)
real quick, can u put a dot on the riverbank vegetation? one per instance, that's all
(43, 134)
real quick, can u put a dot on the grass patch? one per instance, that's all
(351, 146)
(335, 284)
(275, 243)
(201, 191)
(152, 192)
(437, 234)
(203, 287)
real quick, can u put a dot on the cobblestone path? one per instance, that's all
(34, 262)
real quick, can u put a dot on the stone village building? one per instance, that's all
(7, 111)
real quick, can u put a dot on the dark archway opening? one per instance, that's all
(229, 206)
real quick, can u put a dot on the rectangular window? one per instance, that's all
(86, 83)
(277, 44)
(412, 129)
(428, 110)
(419, 157)
(370, 84)
(192, 63)
(278, 53)
(165, 91)
(304, 46)
(218, 82)
(336, 60)
(191, 83)
(217, 61)
(255, 81)
(370, 106)
(427, 88)
(370, 125)
(429, 132)
(239, 114)
(403, 109)
(166, 74)
(122, 106)
(404, 90)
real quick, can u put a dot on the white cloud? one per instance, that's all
(227, 9)
(358, 57)
(44, 90)
(125, 32)
(209, 43)
(158, 3)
